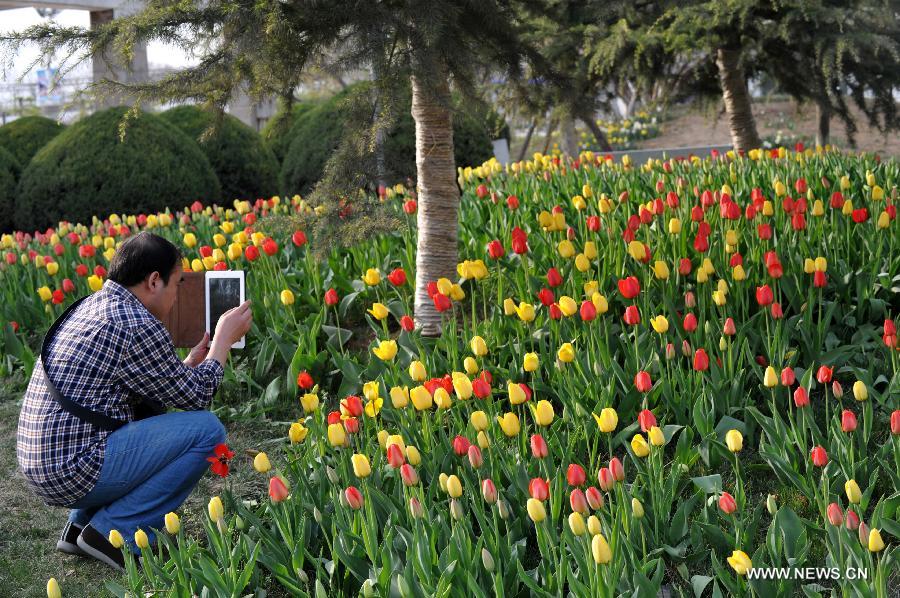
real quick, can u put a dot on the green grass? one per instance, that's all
(29, 529)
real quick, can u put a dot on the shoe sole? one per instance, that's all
(69, 548)
(92, 552)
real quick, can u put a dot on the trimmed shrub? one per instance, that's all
(9, 173)
(24, 136)
(89, 170)
(317, 133)
(276, 132)
(246, 168)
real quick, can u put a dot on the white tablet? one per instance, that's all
(224, 290)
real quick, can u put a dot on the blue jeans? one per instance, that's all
(149, 469)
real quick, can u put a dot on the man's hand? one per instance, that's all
(198, 353)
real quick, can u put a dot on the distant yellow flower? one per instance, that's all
(52, 268)
(661, 270)
(860, 391)
(479, 347)
(373, 407)
(567, 306)
(660, 324)
(479, 420)
(400, 396)
(656, 436)
(517, 395)
(854, 494)
(876, 543)
(261, 463)
(53, 590)
(454, 487)
(770, 379)
(190, 240)
(309, 402)
(372, 277)
(530, 362)
(287, 297)
(297, 432)
(566, 353)
(45, 293)
(525, 311)
(337, 436)
(417, 371)
(386, 350)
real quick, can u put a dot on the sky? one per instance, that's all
(158, 55)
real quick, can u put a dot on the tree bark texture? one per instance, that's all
(823, 117)
(438, 198)
(737, 100)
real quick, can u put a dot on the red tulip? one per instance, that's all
(538, 446)
(819, 456)
(670, 351)
(277, 490)
(395, 457)
(764, 231)
(352, 406)
(819, 279)
(632, 316)
(729, 329)
(594, 498)
(787, 377)
(837, 389)
(68, 286)
(593, 223)
(304, 380)
(588, 311)
(764, 295)
(690, 322)
(270, 247)
(354, 497)
(475, 458)
(690, 300)
(481, 388)
(489, 491)
(851, 520)
(578, 501)
(863, 532)
(643, 382)
(647, 420)
(848, 421)
(824, 374)
(407, 323)
(496, 250)
(777, 314)
(895, 422)
(251, 253)
(331, 297)
(351, 424)
(512, 202)
(481, 191)
(100, 271)
(410, 206)
(519, 241)
(575, 475)
(606, 479)
(684, 266)
(219, 461)
(553, 278)
(397, 277)
(835, 514)
(539, 489)
(617, 470)
(701, 361)
(629, 287)
(545, 296)
(860, 215)
(299, 238)
(441, 302)
(727, 503)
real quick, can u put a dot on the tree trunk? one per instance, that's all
(823, 116)
(599, 135)
(438, 198)
(570, 136)
(527, 141)
(551, 126)
(737, 100)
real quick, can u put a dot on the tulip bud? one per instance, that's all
(851, 520)
(332, 474)
(734, 440)
(848, 421)
(173, 523)
(141, 540)
(578, 501)
(475, 458)
(854, 494)
(860, 391)
(637, 509)
(835, 515)
(787, 377)
(837, 389)
(536, 510)
(115, 538)
(456, 510)
(600, 550)
(487, 560)
(727, 503)
(416, 510)
(863, 534)
(503, 509)
(353, 497)
(876, 543)
(819, 456)
(53, 590)
(539, 448)
(606, 480)
(594, 498)
(261, 463)
(317, 515)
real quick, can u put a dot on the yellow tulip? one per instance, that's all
(821, 264)
(483, 440)
(566, 353)
(719, 298)
(463, 387)
(876, 544)
(636, 250)
(884, 220)
(854, 494)
(413, 455)
(656, 436)
(509, 307)
(590, 250)
(734, 440)
(509, 423)
(219, 239)
(173, 523)
(740, 562)
(543, 413)
(576, 524)
(479, 347)
(261, 463)
(190, 240)
(661, 270)
(116, 539)
(567, 306)
(530, 362)
(337, 436)
(582, 263)
(417, 371)
(395, 439)
(196, 266)
(442, 398)
(860, 391)
(287, 297)
(209, 262)
(45, 294)
(593, 525)
(297, 432)
(52, 268)
(637, 509)
(361, 467)
(372, 277)
(309, 402)
(517, 395)
(141, 539)
(877, 193)
(607, 420)
(454, 487)
(674, 226)
(660, 324)
(600, 550)
(639, 446)
(770, 379)
(445, 287)
(470, 365)
(525, 311)
(400, 396)
(379, 311)
(738, 273)
(600, 303)
(566, 249)
(53, 590)
(421, 398)
(479, 420)
(536, 510)
(386, 350)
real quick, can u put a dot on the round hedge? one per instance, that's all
(88, 170)
(24, 136)
(246, 168)
(276, 132)
(9, 173)
(317, 132)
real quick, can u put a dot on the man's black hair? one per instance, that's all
(141, 255)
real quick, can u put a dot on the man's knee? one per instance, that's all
(208, 428)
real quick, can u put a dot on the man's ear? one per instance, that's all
(154, 280)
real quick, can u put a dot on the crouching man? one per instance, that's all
(80, 443)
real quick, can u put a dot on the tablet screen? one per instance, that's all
(224, 294)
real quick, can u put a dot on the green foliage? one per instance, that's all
(9, 172)
(317, 132)
(91, 169)
(276, 132)
(24, 136)
(246, 168)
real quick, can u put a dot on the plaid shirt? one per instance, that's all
(109, 353)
